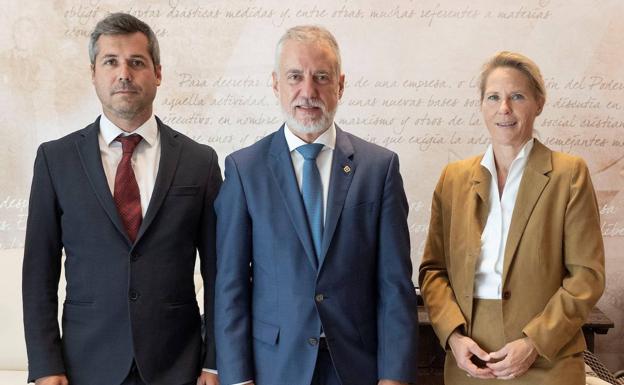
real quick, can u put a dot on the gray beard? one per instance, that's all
(317, 127)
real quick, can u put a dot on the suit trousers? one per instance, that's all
(324, 371)
(487, 331)
(134, 378)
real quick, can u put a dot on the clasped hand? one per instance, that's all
(511, 361)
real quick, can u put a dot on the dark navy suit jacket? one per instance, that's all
(272, 296)
(124, 301)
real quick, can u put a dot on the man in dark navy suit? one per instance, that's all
(130, 201)
(313, 268)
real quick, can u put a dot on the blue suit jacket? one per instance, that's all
(124, 300)
(272, 296)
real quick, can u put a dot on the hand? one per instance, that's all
(57, 379)
(463, 349)
(516, 358)
(207, 378)
(391, 382)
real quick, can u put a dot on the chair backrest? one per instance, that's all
(600, 369)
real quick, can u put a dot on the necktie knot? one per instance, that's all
(310, 151)
(129, 143)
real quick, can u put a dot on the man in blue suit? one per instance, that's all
(313, 267)
(130, 201)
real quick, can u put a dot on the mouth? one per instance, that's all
(308, 109)
(507, 124)
(125, 91)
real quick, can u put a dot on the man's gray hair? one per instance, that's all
(309, 34)
(123, 24)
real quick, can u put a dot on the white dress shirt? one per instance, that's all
(323, 162)
(489, 268)
(145, 158)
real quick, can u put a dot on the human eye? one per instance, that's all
(293, 77)
(110, 61)
(322, 77)
(137, 63)
(517, 96)
(493, 98)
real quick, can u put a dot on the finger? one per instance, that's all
(475, 371)
(501, 353)
(502, 373)
(477, 351)
(483, 373)
(509, 377)
(502, 368)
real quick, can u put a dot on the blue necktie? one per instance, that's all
(312, 191)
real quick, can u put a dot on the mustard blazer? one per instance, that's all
(554, 258)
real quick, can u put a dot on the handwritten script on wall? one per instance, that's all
(412, 86)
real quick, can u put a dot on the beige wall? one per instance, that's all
(411, 67)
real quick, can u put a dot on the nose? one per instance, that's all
(504, 107)
(308, 88)
(125, 73)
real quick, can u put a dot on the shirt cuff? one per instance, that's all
(217, 372)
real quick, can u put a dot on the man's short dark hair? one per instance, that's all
(123, 24)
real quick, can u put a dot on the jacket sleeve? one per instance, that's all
(435, 286)
(208, 258)
(233, 288)
(397, 313)
(40, 275)
(584, 281)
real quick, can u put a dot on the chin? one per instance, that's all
(309, 126)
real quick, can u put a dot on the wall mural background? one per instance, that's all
(411, 69)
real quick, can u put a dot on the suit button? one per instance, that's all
(134, 295)
(506, 294)
(313, 341)
(134, 256)
(319, 298)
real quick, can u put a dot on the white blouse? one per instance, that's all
(489, 267)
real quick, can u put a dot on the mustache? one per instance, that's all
(308, 103)
(125, 87)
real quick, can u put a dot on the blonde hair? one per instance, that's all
(519, 62)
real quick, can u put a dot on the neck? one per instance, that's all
(308, 137)
(504, 156)
(129, 124)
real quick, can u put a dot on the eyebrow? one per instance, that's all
(136, 56)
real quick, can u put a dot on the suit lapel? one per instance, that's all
(89, 152)
(477, 209)
(170, 149)
(281, 167)
(342, 171)
(481, 180)
(534, 180)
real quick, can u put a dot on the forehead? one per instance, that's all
(316, 55)
(123, 44)
(507, 77)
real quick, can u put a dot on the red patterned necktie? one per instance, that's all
(127, 197)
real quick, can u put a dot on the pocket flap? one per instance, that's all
(183, 190)
(265, 332)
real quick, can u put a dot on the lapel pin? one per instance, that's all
(346, 169)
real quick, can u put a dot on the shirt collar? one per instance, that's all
(488, 158)
(148, 130)
(328, 138)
